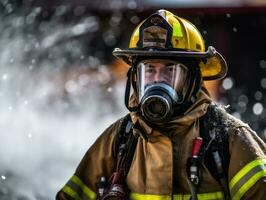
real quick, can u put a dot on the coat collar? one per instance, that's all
(178, 125)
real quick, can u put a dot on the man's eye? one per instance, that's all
(149, 70)
(170, 68)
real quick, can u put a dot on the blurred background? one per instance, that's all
(60, 86)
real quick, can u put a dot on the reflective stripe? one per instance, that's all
(247, 177)
(204, 196)
(211, 196)
(177, 31)
(78, 190)
(71, 193)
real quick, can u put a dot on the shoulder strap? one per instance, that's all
(214, 131)
(126, 143)
(120, 133)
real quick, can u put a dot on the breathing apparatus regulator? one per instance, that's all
(168, 64)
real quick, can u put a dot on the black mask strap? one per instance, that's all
(197, 86)
(127, 92)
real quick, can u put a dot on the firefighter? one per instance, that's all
(167, 100)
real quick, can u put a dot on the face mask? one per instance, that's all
(162, 85)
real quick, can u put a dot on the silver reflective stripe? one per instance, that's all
(245, 178)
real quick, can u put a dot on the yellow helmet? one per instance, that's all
(165, 35)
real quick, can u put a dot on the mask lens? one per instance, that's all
(161, 86)
(172, 73)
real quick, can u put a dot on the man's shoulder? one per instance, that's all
(222, 117)
(109, 135)
(116, 125)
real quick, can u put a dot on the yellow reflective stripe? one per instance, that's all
(248, 185)
(76, 187)
(247, 177)
(177, 31)
(211, 196)
(85, 189)
(71, 192)
(203, 196)
(244, 171)
(136, 196)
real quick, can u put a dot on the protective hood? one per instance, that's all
(179, 124)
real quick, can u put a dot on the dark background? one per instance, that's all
(237, 32)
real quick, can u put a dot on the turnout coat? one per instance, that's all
(158, 169)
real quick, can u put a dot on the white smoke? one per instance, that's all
(49, 115)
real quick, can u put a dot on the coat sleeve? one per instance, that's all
(98, 161)
(247, 168)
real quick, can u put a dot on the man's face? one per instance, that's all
(163, 77)
(165, 72)
(158, 72)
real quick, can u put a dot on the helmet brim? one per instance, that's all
(212, 65)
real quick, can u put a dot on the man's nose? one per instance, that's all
(159, 77)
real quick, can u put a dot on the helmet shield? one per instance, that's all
(170, 73)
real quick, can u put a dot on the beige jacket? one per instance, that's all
(158, 169)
